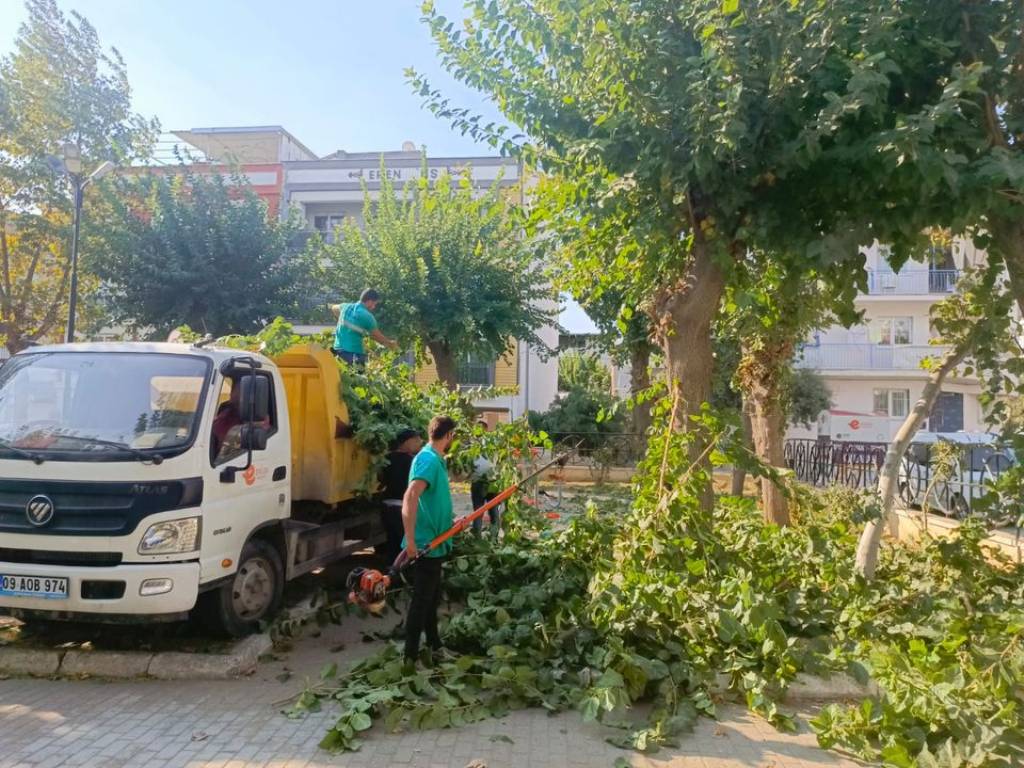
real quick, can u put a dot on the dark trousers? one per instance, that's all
(426, 599)
(480, 495)
(393, 529)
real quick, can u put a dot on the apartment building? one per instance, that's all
(327, 191)
(874, 369)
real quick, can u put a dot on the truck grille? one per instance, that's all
(37, 557)
(87, 508)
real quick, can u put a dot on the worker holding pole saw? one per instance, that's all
(429, 526)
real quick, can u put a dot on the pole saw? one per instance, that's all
(368, 586)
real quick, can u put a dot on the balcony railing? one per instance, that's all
(872, 357)
(911, 282)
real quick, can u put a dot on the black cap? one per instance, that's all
(404, 435)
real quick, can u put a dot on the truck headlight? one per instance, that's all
(171, 537)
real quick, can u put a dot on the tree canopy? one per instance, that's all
(58, 86)
(451, 265)
(186, 248)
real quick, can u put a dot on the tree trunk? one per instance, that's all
(1008, 235)
(888, 479)
(12, 339)
(768, 426)
(739, 475)
(444, 363)
(683, 315)
(639, 380)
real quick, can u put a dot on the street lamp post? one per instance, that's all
(73, 167)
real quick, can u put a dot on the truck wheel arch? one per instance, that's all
(272, 532)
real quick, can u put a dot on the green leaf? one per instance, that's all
(394, 719)
(360, 721)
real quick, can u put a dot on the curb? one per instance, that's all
(838, 687)
(29, 661)
(211, 666)
(804, 688)
(119, 664)
(171, 665)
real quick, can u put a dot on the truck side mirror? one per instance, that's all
(253, 437)
(254, 398)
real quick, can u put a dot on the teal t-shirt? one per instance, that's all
(434, 515)
(354, 322)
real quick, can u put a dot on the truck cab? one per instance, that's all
(145, 481)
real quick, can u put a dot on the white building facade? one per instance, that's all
(874, 369)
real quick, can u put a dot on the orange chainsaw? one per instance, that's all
(368, 586)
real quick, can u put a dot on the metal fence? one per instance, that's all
(957, 482)
(820, 463)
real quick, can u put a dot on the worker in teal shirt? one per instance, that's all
(426, 514)
(355, 322)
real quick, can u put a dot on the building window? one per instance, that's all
(475, 371)
(326, 225)
(892, 331)
(894, 403)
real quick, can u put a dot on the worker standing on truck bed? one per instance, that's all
(355, 322)
(426, 514)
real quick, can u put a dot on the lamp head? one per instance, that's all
(72, 157)
(104, 168)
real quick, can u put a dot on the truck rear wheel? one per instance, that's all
(254, 594)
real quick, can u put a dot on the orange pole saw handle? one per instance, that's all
(463, 522)
(466, 520)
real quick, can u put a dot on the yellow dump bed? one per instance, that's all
(325, 468)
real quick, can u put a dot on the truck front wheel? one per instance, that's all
(254, 594)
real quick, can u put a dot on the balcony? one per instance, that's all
(911, 282)
(865, 357)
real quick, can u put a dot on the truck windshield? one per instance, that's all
(99, 405)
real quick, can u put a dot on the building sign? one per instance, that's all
(399, 175)
(403, 174)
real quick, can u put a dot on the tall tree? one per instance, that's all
(58, 86)
(975, 320)
(452, 267)
(680, 136)
(182, 248)
(771, 309)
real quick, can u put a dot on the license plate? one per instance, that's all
(50, 587)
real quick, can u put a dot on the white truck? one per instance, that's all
(146, 481)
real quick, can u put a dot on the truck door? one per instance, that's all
(238, 502)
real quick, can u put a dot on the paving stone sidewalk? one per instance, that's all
(148, 724)
(237, 724)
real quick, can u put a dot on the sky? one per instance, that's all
(332, 72)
